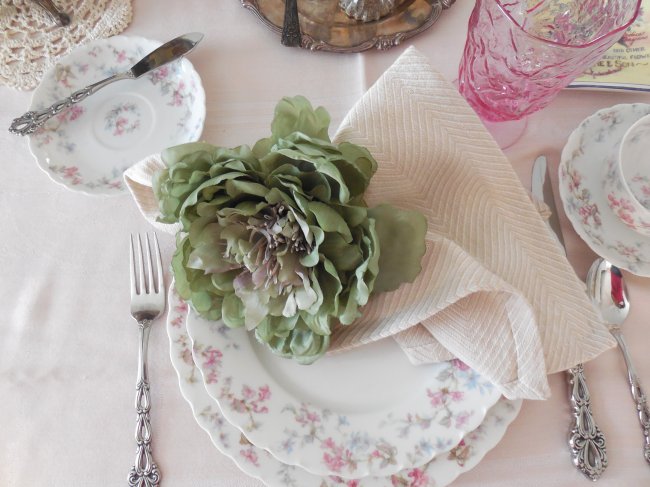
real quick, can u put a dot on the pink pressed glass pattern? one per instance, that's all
(520, 53)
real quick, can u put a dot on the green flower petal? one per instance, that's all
(401, 239)
(232, 311)
(176, 154)
(329, 220)
(345, 256)
(297, 115)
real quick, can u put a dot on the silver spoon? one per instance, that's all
(607, 291)
(58, 17)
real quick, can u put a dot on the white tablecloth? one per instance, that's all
(68, 344)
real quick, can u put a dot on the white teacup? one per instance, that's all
(627, 182)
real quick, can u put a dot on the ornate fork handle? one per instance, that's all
(587, 442)
(145, 472)
(31, 121)
(637, 392)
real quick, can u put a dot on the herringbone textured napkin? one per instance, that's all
(495, 289)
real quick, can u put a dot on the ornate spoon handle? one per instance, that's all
(644, 414)
(637, 392)
(59, 18)
(145, 472)
(587, 442)
(291, 36)
(30, 121)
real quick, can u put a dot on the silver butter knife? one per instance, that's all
(586, 440)
(168, 52)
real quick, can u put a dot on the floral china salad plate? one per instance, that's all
(363, 412)
(587, 161)
(89, 145)
(259, 463)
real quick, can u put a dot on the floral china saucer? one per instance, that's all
(88, 146)
(366, 412)
(260, 464)
(584, 167)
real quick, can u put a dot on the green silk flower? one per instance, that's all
(278, 238)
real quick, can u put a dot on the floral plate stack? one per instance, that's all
(452, 434)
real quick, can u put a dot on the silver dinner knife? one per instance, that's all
(168, 52)
(586, 440)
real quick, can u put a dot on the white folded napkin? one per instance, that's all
(495, 289)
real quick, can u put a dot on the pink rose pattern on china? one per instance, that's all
(623, 207)
(306, 426)
(580, 202)
(249, 401)
(179, 93)
(309, 426)
(289, 475)
(641, 188)
(72, 175)
(121, 120)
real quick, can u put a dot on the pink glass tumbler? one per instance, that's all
(520, 53)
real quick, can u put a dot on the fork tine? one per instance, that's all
(159, 271)
(143, 285)
(151, 285)
(134, 285)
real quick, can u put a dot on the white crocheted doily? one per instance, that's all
(30, 43)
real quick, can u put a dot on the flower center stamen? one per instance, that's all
(274, 232)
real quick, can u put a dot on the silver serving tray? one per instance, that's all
(325, 27)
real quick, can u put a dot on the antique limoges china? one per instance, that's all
(587, 162)
(365, 412)
(628, 178)
(88, 146)
(452, 459)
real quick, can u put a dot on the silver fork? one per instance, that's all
(147, 303)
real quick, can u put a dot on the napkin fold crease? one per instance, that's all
(495, 290)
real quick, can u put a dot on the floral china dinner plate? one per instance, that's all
(368, 411)
(260, 464)
(587, 157)
(88, 146)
